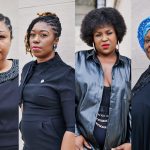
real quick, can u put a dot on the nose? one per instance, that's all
(36, 39)
(104, 38)
(147, 44)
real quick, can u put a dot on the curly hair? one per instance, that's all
(47, 17)
(7, 22)
(99, 18)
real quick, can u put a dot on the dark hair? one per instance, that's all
(98, 18)
(7, 22)
(47, 17)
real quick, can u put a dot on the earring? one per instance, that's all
(54, 47)
(117, 46)
(94, 47)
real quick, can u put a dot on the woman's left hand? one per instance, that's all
(125, 146)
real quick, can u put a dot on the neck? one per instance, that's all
(111, 58)
(5, 65)
(40, 60)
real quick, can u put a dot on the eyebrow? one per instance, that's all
(105, 31)
(40, 31)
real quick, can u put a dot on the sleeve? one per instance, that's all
(20, 86)
(129, 119)
(78, 94)
(22, 79)
(67, 96)
(129, 128)
(77, 98)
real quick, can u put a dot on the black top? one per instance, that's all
(9, 98)
(48, 89)
(141, 113)
(102, 117)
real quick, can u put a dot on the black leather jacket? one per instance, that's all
(89, 89)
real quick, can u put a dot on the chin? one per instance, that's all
(107, 53)
(148, 56)
(36, 55)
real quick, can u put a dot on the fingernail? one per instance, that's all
(88, 146)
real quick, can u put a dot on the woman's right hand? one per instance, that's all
(80, 143)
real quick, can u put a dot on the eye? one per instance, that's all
(2, 37)
(98, 35)
(110, 32)
(146, 41)
(43, 35)
(32, 35)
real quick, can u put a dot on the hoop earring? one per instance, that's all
(94, 47)
(117, 46)
(54, 47)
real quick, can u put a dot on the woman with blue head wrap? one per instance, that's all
(144, 34)
(141, 96)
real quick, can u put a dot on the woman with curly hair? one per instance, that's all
(47, 90)
(102, 84)
(141, 95)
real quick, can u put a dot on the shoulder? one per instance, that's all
(84, 53)
(66, 68)
(27, 65)
(126, 60)
(16, 62)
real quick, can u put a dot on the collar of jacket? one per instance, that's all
(92, 55)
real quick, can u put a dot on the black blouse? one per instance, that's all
(9, 98)
(48, 89)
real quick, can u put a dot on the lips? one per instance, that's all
(36, 48)
(105, 46)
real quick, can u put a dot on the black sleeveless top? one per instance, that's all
(102, 117)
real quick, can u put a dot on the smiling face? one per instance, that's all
(42, 39)
(147, 44)
(105, 40)
(5, 41)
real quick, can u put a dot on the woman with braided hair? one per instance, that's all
(9, 94)
(47, 90)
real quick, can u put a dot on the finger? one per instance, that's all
(118, 148)
(87, 144)
(81, 148)
(121, 147)
(77, 148)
